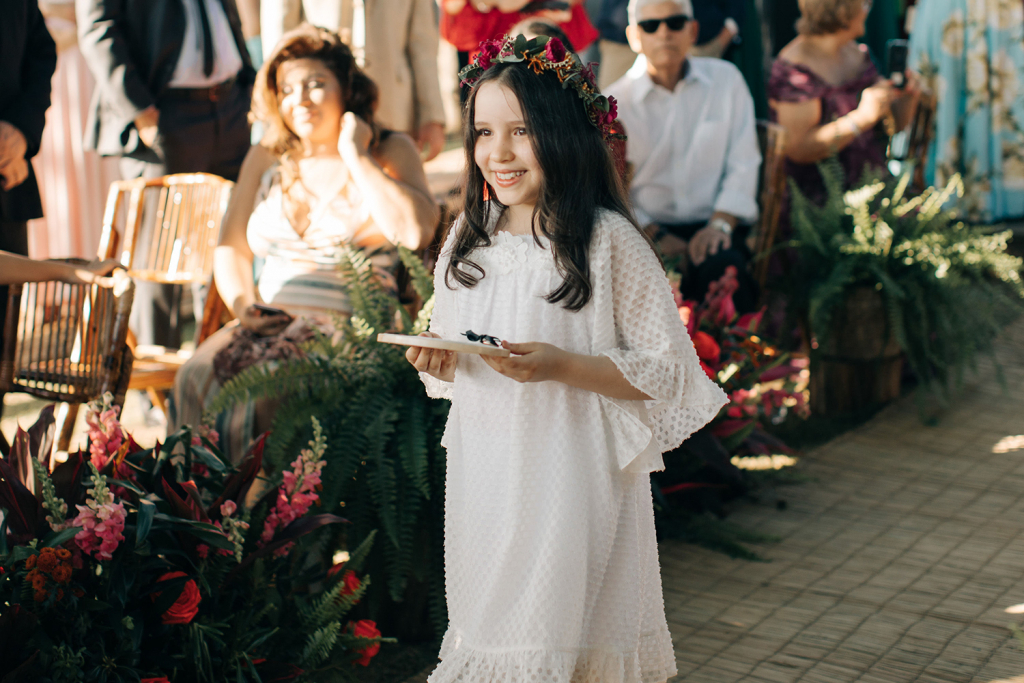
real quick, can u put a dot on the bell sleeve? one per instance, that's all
(651, 348)
(442, 319)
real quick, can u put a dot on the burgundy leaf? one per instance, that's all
(296, 529)
(23, 510)
(238, 484)
(178, 504)
(41, 435)
(67, 478)
(21, 459)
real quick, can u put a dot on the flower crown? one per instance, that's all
(547, 54)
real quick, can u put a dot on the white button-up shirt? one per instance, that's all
(188, 73)
(693, 149)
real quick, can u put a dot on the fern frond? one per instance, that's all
(320, 644)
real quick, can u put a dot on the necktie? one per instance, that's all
(204, 20)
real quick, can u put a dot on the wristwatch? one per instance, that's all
(723, 226)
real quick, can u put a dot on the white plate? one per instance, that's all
(446, 344)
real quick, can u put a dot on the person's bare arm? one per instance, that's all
(15, 269)
(808, 141)
(538, 362)
(393, 183)
(232, 259)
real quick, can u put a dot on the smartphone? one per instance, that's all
(897, 62)
(270, 310)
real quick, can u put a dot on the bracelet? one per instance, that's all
(854, 128)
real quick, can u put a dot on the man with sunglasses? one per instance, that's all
(693, 147)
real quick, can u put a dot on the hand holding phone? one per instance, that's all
(897, 60)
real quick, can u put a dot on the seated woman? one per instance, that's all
(324, 176)
(826, 92)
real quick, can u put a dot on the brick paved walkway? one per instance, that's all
(896, 563)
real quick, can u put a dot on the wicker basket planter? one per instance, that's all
(861, 362)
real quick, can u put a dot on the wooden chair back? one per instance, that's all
(771, 138)
(165, 229)
(66, 342)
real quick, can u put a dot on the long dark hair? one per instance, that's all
(579, 178)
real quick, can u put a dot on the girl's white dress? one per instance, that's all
(551, 560)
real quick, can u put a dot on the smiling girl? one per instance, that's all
(550, 552)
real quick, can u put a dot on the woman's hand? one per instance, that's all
(531, 362)
(437, 363)
(264, 323)
(91, 274)
(874, 104)
(355, 136)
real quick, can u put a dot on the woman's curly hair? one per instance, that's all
(821, 17)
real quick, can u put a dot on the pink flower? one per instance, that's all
(203, 551)
(734, 411)
(554, 50)
(205, 430)
(101, 519)
(298, 492)
(228, 508)
(102, 528)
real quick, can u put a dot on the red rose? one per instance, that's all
(554, 50)
(707, 348)
(366, 629)
(185, 608)
(489, 49)
(352, 583)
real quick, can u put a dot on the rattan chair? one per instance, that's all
(165, 230)
(67, 343)
(771, 138)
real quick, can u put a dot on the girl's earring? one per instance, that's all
(487, 192)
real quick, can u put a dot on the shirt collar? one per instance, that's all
(695, 71)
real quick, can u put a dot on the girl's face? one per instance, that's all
(503, 150)
(310, 100)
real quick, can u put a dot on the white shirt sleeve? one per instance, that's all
(738, 193)
(653, 352)
(442, 320)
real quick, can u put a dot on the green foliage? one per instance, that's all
(385, 465)
(944, 283)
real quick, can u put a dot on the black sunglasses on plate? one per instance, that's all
(675, 23)
(482, 338)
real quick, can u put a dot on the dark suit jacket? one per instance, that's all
(28, 58)
(132, 48)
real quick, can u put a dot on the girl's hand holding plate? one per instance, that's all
(530, 362)
(437, 363)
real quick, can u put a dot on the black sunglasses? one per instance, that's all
(482, 338)
(675, 23)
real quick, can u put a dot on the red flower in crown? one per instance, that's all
(613, 111)
(489, 49)
(554, 50)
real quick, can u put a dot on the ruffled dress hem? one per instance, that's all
(652, 662)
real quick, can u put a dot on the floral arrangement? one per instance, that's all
(167, 564)
(547, 54)
(764, 385)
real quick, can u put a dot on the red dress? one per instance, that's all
(467, 29)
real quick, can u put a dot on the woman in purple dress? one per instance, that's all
(826, 92)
